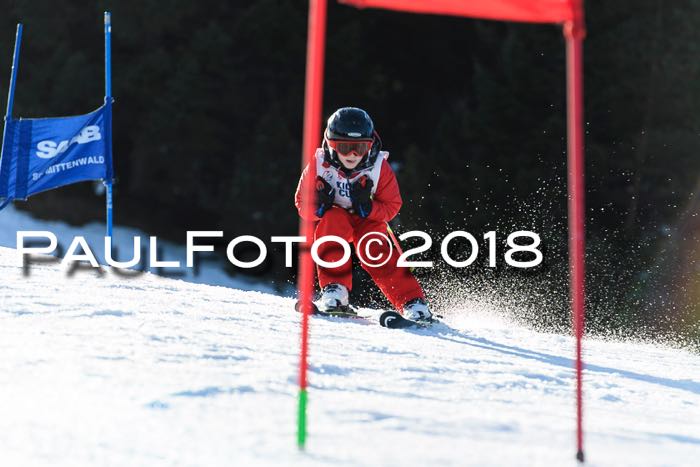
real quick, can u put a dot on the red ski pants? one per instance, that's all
(398, 284)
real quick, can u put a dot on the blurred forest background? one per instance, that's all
(208, 124)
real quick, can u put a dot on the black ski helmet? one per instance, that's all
(351, 123)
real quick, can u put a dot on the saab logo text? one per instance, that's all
(47, 149)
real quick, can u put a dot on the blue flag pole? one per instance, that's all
(108, 115)
(11, 95)
(13, 77)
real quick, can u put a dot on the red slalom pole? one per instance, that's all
(574, 32)
(315, 51)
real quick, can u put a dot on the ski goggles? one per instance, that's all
(345, 147)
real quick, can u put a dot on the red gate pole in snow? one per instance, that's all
(574, 32)
(315, 50)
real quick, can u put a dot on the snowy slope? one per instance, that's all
(152, 371)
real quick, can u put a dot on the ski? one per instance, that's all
(393, 320)
(342, 312)
(389, 319)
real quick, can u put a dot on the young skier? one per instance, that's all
(356, 195)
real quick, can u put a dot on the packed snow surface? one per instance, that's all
(106, 370)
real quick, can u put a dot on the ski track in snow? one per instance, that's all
(154, 371)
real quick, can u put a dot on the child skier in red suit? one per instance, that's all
(356, 195)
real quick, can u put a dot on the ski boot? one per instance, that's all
(417, 310)
(334, 299)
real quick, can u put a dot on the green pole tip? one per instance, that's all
(301, 419)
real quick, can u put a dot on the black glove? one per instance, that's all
(361, 196)
(325, 194)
